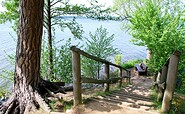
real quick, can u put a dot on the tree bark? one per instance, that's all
(77, 90)
(120, 74)
(106, 87)
(50, 44)
(28, 85)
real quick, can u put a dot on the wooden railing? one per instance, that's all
(77, 79)
(166, 81)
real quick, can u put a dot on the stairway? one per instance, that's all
(135, 97)
(125, 99)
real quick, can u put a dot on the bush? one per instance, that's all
(131, 63)
(178, 105)
(62, 59)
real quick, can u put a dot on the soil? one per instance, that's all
(133, 99)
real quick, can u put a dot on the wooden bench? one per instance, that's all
(141, 69)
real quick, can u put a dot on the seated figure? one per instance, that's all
(141, 69)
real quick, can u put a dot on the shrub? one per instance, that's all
(131, 63)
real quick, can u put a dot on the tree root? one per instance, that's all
(7, 106)
(44, 86)
(31, 99)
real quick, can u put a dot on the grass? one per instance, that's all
(177, 106)
(157, 105)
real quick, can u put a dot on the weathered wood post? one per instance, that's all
(170, 81)
(162, 82)
(164, 72)
(120, 81)
(106, 89)
(76, 78)
(129, 76)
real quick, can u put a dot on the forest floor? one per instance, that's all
(133, 99)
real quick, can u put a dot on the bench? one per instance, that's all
(141, 69)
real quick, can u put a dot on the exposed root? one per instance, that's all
(6, 107)
(44, 86)
(30, 100)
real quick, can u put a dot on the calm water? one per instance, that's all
(129, 51)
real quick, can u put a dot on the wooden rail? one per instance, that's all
(81, 52)
(77, 79)
(165, 81)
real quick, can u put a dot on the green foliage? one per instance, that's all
(4, 91)
(157, 25)
(153, 95)
(100, 45)
(8, 74)
(114, 73)
(178, 105)
(11, 13)
(62, 62)
(60, 105)
(117, 59)
(7, 77)
(131, 63)
(54, 11)
(75, 28)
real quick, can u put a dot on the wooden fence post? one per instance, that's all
(76, 78)
(162, 82)
(120, 83)
(170, 81)
(129, 76)
(106, 89)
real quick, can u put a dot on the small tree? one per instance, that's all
(117, 59)
(99, 45)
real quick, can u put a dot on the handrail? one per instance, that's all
(74, 48)
(77, 79)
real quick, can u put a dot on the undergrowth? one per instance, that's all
(157, 105)
(177, 106)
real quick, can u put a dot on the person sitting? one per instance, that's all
(141, 69)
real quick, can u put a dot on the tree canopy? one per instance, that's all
(156, 24)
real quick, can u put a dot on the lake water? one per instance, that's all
(122, 39)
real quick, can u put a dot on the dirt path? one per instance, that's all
(133, 99)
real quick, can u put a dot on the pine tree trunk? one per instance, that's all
(50, 44)
(28, 85)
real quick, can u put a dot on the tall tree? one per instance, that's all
(156, 24)
(54, 10)
(28, 85)
(52, 14)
